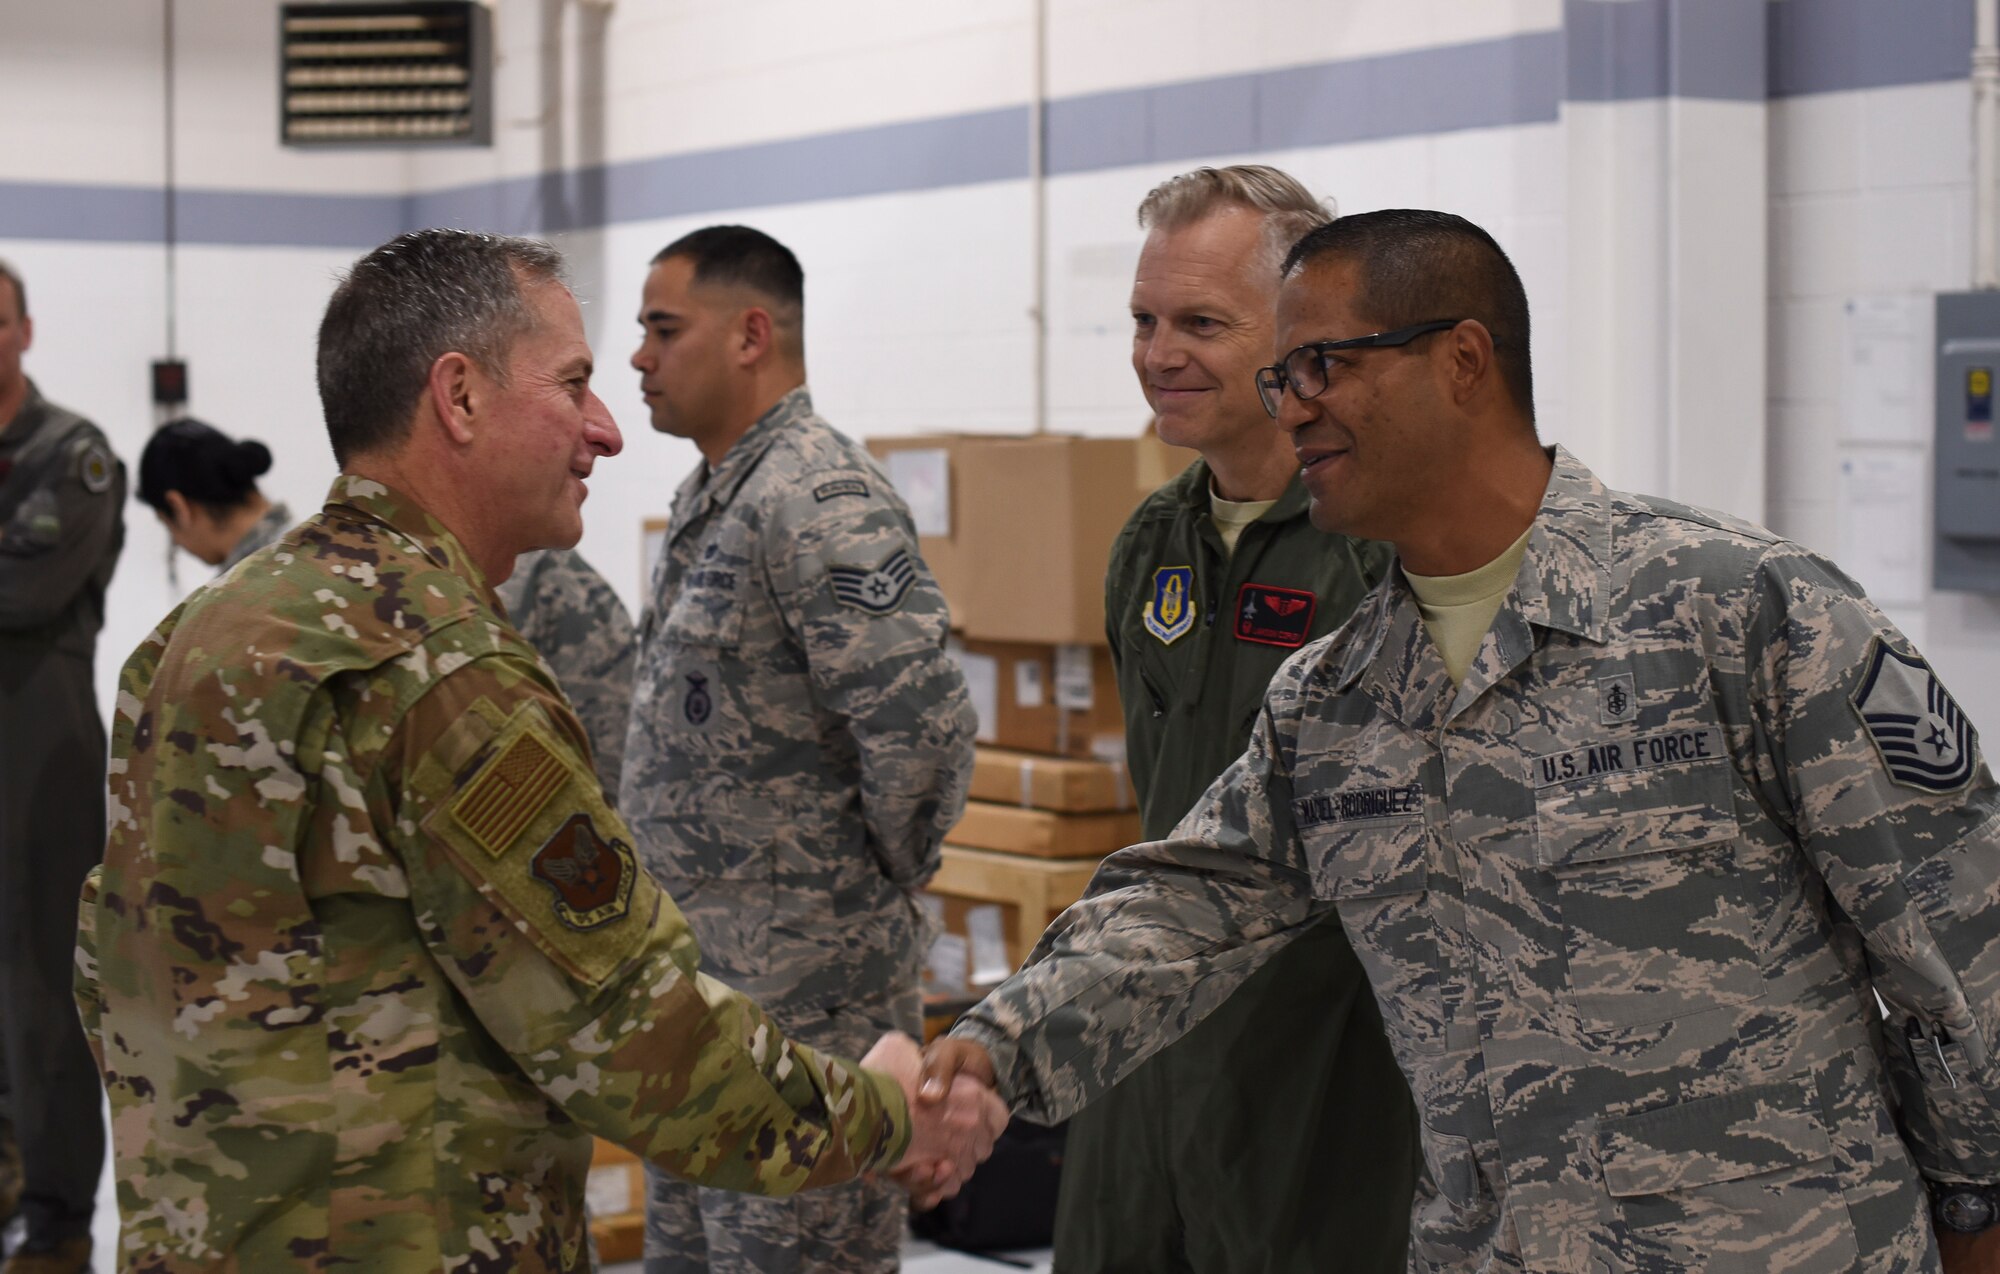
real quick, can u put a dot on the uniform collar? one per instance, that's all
(401, 514)
(707, 489)
(1191, 490)
(273, 523)
(34, 410)
(1564, 582)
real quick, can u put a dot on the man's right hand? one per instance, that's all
(948, 1057)
(951, 1133)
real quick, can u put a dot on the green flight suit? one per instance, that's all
(1278, 1135)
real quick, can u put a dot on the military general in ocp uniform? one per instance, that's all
(370, 957)
(61, 525)
(800, 741)
(1634, 858)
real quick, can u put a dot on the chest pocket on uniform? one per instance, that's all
(1662, 919)
(1378, 876)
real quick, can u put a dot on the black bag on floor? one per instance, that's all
(1010, 1202)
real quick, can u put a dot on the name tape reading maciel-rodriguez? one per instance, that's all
(1358, 804)
(1624, 756)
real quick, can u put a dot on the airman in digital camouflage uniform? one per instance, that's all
(202, 484)
(370, 958)
(800, 742)
(62, 495)
(568, 612)
(1627, 890)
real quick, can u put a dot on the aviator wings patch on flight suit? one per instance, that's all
(1626, 898)
(369, 957)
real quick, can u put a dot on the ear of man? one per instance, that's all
(455, 392)
(1468, 349)
(756, 336)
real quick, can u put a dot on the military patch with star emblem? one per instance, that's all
(1924, 738)
(877, 590)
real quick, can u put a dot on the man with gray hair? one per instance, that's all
(370, 955)
(1195, 1159)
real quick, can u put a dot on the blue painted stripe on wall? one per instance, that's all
(1627, 50)
(1633, 50)
(1833, 46)
(1491, 84)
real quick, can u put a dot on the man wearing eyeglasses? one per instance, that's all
(1677, 886)
(1193, 1161)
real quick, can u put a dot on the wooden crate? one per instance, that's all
(615, 1195)
(1029, 891)
(1010, 829)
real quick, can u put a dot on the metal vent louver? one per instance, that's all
(368, 74)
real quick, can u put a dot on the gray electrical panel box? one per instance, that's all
(1967, 552)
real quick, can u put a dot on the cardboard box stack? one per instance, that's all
(1018, 532)
(614, 1196)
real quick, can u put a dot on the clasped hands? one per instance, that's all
(955, 1114)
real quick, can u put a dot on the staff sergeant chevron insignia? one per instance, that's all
(1924, 737)
(879, 590)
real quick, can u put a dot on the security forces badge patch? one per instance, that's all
(1169, 612)
(1923, 736)
(590, 876)
(877, 590)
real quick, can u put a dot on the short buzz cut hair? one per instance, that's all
(1417, 265)
(745, 257)
(405, 305)
(13, 276)
(1290, 210)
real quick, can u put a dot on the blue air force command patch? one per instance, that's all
(878, 590)
(1923, 736)
(1169, 612)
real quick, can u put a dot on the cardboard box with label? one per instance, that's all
(1018, 530)
(1043, 833)
(1057, 700)
(1050, 782)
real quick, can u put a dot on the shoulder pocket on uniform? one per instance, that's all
(528, 818)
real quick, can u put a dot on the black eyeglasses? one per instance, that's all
(1304, 369)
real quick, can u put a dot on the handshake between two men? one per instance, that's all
(955, 1112)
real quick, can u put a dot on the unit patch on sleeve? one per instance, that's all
(877, 590)
(502, 801)
(590, 876)
(842, 486)
(94, 467)
(1924, 739)
(1273, 616)
(1169, 611)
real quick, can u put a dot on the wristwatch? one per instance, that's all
(1962, 1208)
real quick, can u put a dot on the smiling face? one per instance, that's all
(550, 427)
(1201, 326)
(1369, 445)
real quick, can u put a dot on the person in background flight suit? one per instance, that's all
(370, 957)
(62, 493)
(568, 612)
(203, 486)
(800, 741)
(1631, 810)
(1216, 580)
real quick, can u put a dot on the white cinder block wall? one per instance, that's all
(1633, 156)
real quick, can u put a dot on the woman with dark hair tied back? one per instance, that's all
(202, 483)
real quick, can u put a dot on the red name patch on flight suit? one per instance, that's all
(1274, 616)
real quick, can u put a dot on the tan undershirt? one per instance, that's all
(1458, 609)
(1231, 517)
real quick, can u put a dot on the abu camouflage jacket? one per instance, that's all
(1627, 897)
